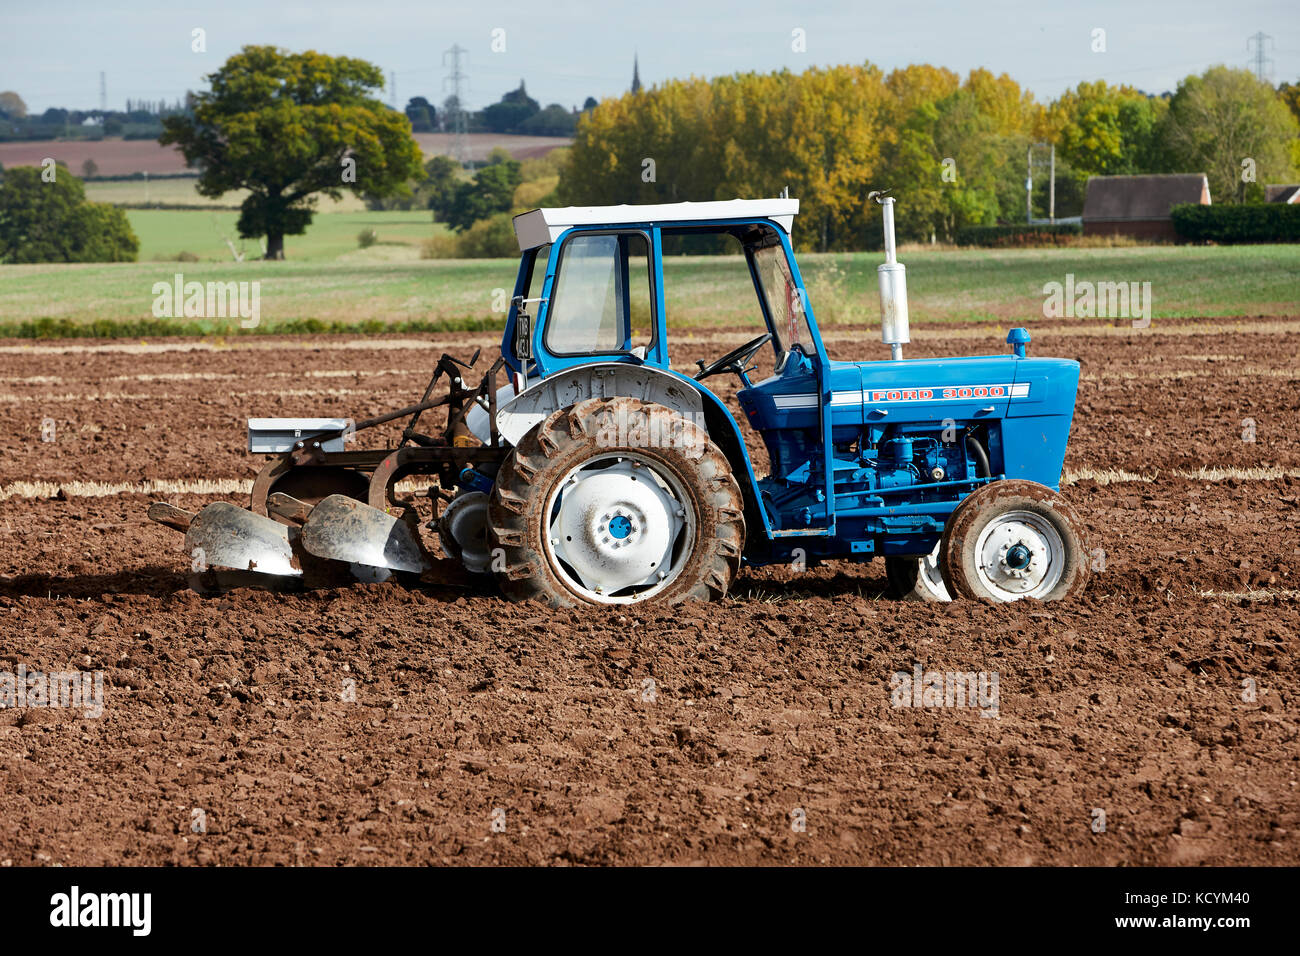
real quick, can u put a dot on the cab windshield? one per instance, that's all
(784, 300)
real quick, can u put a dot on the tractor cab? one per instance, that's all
(591, 289)
(852, 458)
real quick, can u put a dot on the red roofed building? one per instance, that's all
(1139, 206)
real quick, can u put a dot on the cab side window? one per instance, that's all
(602, 298)
(537, 276)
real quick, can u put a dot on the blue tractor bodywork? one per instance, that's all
(866, 458)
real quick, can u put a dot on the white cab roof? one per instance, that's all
(540, 226)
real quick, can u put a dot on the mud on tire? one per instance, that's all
(622, 435)
(972, 543)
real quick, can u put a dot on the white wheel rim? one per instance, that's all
(930, 577)
(620, 529)
(1020, 555)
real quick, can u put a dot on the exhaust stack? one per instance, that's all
(893, 285)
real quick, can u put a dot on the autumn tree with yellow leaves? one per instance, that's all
(830, 135)
(952, 150)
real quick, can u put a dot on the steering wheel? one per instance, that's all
(733, 361)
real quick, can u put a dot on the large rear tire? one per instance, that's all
(616, 501)
(1014, 540)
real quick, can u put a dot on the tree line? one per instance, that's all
(953, 150)
(516, 112)
(142, 119)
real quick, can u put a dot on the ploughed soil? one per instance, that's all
(1153, 720)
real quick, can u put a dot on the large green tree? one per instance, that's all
(492, 191)
(1103, 130)
(288, 127)
(44, 220)
(1222, 118)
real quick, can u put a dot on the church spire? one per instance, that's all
(636, 75)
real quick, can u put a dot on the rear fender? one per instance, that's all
(598, 380)
(614, 379)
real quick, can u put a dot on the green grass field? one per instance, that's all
(164, 233)
(326, 277)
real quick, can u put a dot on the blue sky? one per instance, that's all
(51, 54)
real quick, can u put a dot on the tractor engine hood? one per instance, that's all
(982, 386)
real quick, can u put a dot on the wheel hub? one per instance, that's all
(614, 525)
(1020, 555)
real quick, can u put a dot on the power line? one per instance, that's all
(1263, 64)
(460, 142)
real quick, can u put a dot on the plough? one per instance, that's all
(320, 512)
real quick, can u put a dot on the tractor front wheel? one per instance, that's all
(615, 501)
(1012, 540)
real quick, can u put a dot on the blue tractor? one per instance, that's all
(602, 472)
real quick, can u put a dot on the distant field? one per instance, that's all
(114, 157)
(327, 278)
(344, 290)
(164, 233)
(181, 192)
(119, 157)
(1007, 285)
(479, 145)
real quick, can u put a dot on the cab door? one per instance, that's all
(792, 408)
(600, 301)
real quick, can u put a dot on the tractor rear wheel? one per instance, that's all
(616, 501)
(1012, 540)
